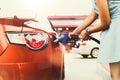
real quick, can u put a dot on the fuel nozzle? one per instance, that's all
(64, 38)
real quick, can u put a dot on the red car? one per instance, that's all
(28, 53)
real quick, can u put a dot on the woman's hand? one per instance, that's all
(85, 34)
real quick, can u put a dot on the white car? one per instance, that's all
(90, 47)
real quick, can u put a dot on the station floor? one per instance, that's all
(79, 68)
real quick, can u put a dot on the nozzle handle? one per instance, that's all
(76, 37)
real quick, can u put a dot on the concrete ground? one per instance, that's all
(79, 68)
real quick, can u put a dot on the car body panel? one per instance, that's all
(18, 62)
(87, 46)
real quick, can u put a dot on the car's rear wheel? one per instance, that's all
(85, 56)
(94, 52)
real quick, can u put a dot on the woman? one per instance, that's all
(108, 12)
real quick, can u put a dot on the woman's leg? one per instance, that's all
(115, 70)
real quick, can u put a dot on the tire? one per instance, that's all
(94, 52)
(85, 56)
